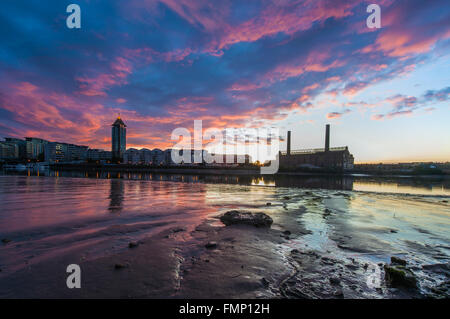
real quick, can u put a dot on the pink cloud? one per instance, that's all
(316, 61)
(336, 115)
(308, 88)
(353, 88)
(58, 117)
(276, 17)
(282, 17)
(401, 36)
(391, 115)
(120, 68)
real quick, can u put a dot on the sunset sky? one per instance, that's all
(294, 65)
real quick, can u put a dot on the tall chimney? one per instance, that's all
(327, 138)
(288, 151)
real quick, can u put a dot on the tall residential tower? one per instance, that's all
(119, 139)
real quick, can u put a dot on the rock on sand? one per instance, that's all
(246, 218)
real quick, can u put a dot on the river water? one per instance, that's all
(44, 216)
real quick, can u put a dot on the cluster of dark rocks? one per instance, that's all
(398, 275)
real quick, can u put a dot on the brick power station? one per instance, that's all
(330, 158)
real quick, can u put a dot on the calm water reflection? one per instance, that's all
(405, 185)
(116, 196)
(44, 216)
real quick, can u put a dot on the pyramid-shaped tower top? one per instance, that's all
(119, 122)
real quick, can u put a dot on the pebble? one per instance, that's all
(121, 266)
(339, 293)
(398, 261)
(352, 267)
(211, 244)
(335, 281)
(133, 244)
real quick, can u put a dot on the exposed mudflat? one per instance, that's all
(322, 244)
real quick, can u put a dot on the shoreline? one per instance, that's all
(243, 171)
(121, 168)
(206, 259)
(247, 262)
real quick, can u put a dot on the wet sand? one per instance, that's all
(322, 244)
